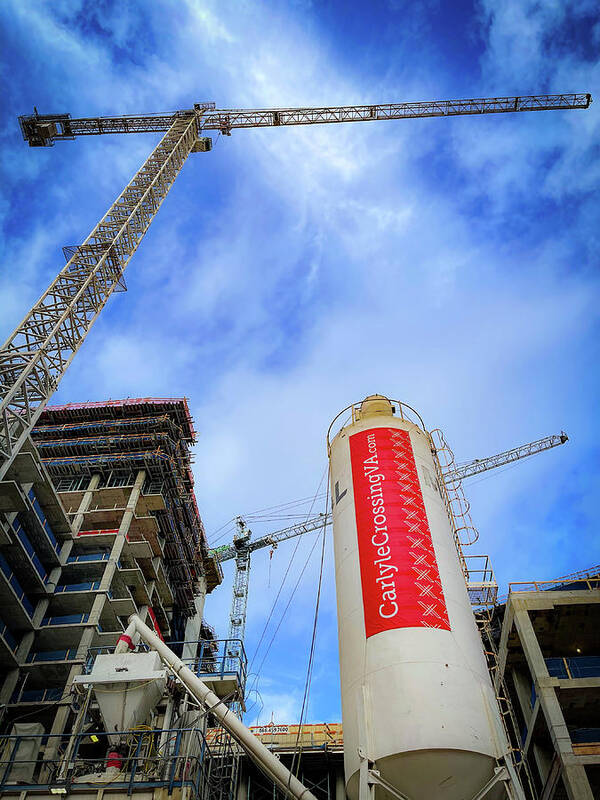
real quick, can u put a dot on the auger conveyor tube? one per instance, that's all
(261, 756)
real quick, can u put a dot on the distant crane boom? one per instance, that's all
(229, 551)
(243, 545)
(462, 471)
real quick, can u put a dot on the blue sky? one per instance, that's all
(452, 264)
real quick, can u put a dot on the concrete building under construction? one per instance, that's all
(544, 645)
(100, 523)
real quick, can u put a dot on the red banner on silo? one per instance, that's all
(400, 578)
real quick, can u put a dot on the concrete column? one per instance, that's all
(62, 715)
(543, 683)
(85, 504)
(11, 680)
(120, 538)
(9, 685)
(41, 608)
(65, 552)
(193, 624)
(523, 690)
(543, 760)
(576, 782)
(117, 549)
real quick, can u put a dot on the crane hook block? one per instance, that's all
(203, 145)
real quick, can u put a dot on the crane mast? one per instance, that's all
(38, 352)
(36, 355)
(239, 603)
(242, 546)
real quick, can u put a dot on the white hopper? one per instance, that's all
(127, 687)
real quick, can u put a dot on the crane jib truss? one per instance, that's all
(462, 471)
(36, 355)
(43, 130)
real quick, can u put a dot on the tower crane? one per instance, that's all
(243, 546)
(36, 355)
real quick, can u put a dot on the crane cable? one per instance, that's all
(289, 566)
(311, 657)
(285, 610)
(269, 512)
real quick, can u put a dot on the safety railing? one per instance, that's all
(8, 637)
(84, 557)
(65, 619)
(29, 549)
(16, 586)
(585, 736)
(481, 582)
(144, 758)
(557, 585)
(352, 413)
(221, 658)
(574, 667)
(42, 518)
(35, 657)
(209, 659)
(23, 695)
(86, 586)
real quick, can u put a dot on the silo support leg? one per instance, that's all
(512, 784)
(373, 778)
(365, 788)
(500, 774)
(514, 788)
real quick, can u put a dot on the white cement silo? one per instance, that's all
(416, 694)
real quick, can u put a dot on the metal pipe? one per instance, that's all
(127, 640)
(167, 719)
(262, 757)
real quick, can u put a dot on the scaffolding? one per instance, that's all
(176, 407)
(120, 438)
(155, 759)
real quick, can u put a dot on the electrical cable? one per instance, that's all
(262, 514)
(311, 657)
(286, 574)
(258, 700)
(281, 506)
(285, 610)
(230, 524)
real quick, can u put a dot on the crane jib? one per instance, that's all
(43, 130)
